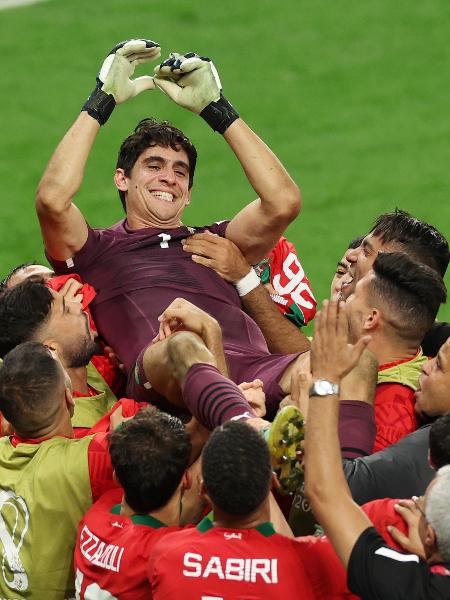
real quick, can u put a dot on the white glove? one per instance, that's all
(114, 85)
(189, 80)
(119, 65)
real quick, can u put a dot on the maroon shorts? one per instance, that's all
(242, 367)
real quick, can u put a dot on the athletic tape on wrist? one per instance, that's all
(219, 115)
(247, 283)
(99, 105)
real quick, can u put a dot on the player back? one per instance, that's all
(214, 563)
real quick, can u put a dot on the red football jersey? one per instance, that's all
(293, 295)
(395, 416)
(214, 563)
(112, 551)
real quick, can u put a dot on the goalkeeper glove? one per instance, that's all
(114, 85)
(192, 81)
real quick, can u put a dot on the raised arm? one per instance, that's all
(63, 226)
(326, 487)
(259, 225)
(193, 82)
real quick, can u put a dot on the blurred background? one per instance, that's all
(353, 97)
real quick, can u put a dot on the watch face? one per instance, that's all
(322, 387)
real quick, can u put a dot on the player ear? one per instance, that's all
(204, 492)
(121, 180)
(186, 480)
(70, 401)
(189, 194)
(430, 540)
(372, 321)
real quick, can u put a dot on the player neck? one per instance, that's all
(249, 521)
(169, 514)
(137, 221)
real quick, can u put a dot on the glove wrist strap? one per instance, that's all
(219, 115)
(99, 105)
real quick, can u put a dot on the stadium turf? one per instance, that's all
(353, 97)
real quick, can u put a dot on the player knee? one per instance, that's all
(186, 349)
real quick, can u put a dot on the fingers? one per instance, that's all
(207, 247)
(143, 83)
(399, 537)
(169, 88)
(70, 290)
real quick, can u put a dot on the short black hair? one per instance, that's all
(30, 382)
(236, 468)
(149, 454)
(413, 292)
(23, 309)
(418, 239)
(148, 133)
(440, 442)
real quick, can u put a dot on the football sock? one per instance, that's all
(212, 398)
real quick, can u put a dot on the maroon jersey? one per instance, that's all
(215, 563)
(112, 551)
(138, 273)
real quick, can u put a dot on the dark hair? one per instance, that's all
(418, 239)
(236, 468)
(356, 243)
(412, 291)
(435, 337)
(30, 382)
(23, 309)
(7, 278)
(440, 442)
(148, 133)
(149, 454)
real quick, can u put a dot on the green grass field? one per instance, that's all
(352, 95)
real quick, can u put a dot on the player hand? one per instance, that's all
(331, 356)
(253, 392)
(119, 66)
(114, 83)
(300, 384)
(182, 315)
(217, 253)
(410, 512)
(70, 291)
(189, 80)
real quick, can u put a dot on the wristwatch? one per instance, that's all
(322, 387)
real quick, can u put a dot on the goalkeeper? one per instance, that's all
(138, 266)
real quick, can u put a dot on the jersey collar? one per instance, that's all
(265, 529)
(140, 519)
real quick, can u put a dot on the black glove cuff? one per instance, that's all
(99, 105)
(219, 115)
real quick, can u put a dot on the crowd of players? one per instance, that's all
(156, 384)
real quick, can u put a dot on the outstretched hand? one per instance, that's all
(331, 355)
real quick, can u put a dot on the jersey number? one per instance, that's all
(92, 591)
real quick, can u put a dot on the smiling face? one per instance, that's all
(433, 395)
(157, 189)
(362, 258)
